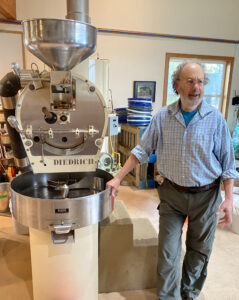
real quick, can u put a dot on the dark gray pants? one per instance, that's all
(201, 210)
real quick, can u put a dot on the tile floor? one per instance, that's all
(222, 282)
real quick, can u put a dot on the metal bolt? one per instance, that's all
(92, 88)
(98, 142)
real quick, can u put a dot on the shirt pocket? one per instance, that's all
(201, 142)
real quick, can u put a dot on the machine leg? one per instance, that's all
(65, 271)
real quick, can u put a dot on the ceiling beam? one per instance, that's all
(8, 9)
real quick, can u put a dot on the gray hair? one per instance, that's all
(177, 73)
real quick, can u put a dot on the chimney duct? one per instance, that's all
(78, 10)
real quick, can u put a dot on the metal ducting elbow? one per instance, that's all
(10, 85)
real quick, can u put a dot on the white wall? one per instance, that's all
(231, 120)
(29, 9)
(185, 17)
(10, 51)
(143, 58)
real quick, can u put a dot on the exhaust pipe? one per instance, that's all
(9, 86)
(78, 10)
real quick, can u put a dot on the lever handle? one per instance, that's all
(14, 123)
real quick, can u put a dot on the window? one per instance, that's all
(218, 70)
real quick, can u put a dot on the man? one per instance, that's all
(194, 154)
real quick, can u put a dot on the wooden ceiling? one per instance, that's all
(8, 9)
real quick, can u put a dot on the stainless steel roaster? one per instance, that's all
(57, 123)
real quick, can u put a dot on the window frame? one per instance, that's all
(229, 62)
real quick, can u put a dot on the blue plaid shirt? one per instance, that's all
(195, 155)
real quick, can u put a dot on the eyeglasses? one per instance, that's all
(191, 82)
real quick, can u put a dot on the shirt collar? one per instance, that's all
(174, 108)
(204, 109)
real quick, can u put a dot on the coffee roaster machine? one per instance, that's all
(57, 123)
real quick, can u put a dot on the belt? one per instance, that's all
(195, 189)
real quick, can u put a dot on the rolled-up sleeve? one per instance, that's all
(148, 142)
(226, 153)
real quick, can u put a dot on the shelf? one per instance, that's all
(6, 214)
(6, 158)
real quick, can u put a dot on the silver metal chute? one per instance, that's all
(59, 43)
(87, 185)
